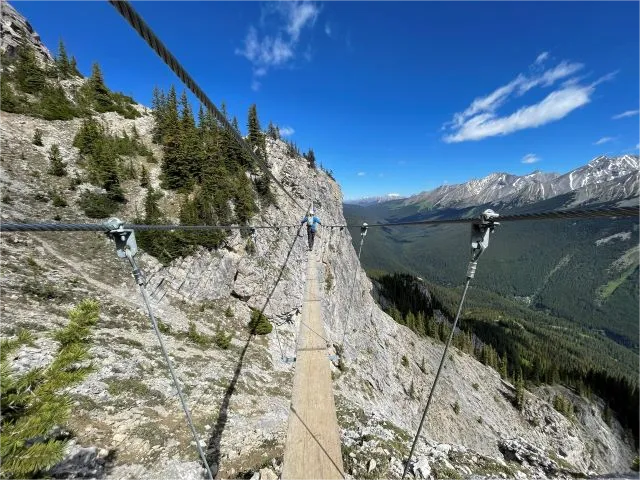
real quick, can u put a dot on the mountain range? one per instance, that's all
(538, 263)
(602, 179)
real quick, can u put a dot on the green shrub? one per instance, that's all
(635, 466)
(456, 407)
(33, 403)
(222, 340)
(563, 405)
(56, 165)
(58, 200)
(250, 246)
(259, 323)
(228, 312)
(196, 337)
(6, 198)
(37, 137)
(475, 386)
(405, 361)
(98, 205)
(163, 327)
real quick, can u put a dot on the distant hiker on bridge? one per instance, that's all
(312, 225)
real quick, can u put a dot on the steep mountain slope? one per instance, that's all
(126, 420)
(239, 396)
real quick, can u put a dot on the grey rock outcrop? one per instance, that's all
(16, 30)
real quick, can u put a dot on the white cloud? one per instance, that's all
(480, 119)
(276, 48)
(542, 57)
(362, 174)
(393, 194)
(286, 131)
(530, 158)
(328, 30)
(603, 140)
(555, 106)
(628, 113)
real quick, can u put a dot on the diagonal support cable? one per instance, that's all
(126, 248)
(363, 233)
(480, 232)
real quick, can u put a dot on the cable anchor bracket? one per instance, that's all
(126, 246)
(481, 230)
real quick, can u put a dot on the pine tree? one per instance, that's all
(62, 62)
(56, 165)
(504, 367)
(189, 151)
(55, 105)
(98, 91)
(152, 211)
(74, 68)
(410, 321)
(174, 173)
(256, 137)
(9, 102)
(29, 76)
(34, 402)
(37, 137)
(159, 105)
(311, 158)
(519, 400)
(144, 177)
(272, 132)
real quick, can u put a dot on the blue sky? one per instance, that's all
(393, 97)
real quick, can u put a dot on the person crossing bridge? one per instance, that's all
(312, 226)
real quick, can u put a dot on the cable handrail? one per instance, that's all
(27, 226)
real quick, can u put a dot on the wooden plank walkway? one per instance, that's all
(312, 449)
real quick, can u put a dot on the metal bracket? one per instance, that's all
(481, 230)
(124, 238)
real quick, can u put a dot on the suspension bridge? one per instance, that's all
(312, 446)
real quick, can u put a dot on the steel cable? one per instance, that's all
(134, 19)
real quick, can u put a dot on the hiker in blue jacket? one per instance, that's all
(312, 221)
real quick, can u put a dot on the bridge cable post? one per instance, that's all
(126, 247)
(480, 233)
(363, 233)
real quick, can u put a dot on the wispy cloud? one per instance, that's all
(480, 120)
(542, 57)
(276, 43)
(530, 158)
(362, 174)
(603, 140)
(286, 131)
(628, 113)
(381, 175)
(328, 30)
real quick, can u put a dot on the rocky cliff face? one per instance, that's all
(17, 30)
(126, 419)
